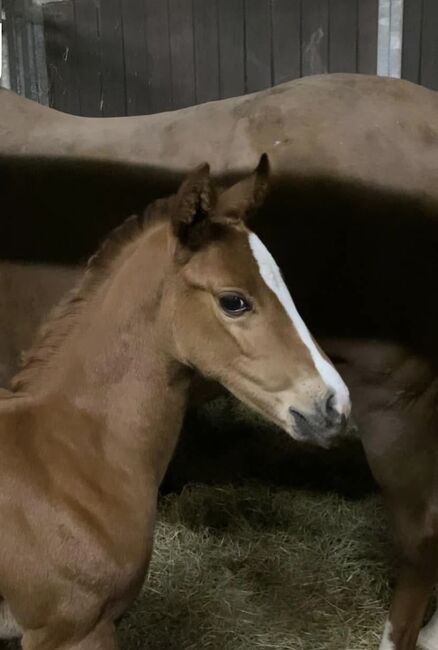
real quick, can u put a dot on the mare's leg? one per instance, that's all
(428, 638)
(9, 628)
(418, 572)
(102, 637)
(394, 399)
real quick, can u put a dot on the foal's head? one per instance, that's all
(233, 318)
(192, 282)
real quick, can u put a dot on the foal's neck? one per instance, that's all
(117, 369)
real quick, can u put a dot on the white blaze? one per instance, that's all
(272, 276)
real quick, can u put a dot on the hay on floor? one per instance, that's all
(240, 568)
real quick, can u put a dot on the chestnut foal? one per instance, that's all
(86, 439)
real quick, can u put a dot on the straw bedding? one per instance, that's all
(240, 568)
(295, 566)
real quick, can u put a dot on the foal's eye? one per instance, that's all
(233, 304)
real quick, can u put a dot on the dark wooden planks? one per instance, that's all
(19, 54)
(258, 45)
(420, 42)
(116, 57)
(231, 48)
(286, 40)
(39, 53)
(314, 42)
(182, 53)
(8, 6)
(158, 56)
(206, 50)
(429, 45)
(368, 17)
(28, 48)
(136, 72)
(343, 22)
(411, 48)
(113, 68)
(88, 57)
(62, 65)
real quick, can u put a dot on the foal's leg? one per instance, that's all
(102, 637)
(9, 628)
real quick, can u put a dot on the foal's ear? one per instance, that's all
(193, 206)
(244, 198)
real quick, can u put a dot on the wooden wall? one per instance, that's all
(24, 31)
(420, 42)
(127, 57)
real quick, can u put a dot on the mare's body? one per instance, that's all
(370, 285)
(27, 294)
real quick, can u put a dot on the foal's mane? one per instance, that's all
(63, 317)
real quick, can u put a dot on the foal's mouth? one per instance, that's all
(325, 437)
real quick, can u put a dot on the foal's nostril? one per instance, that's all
(302, 423)
(330, 405)
(299, 418)
(321, 424)
(332, 414)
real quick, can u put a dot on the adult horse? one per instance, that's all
(369, 290)
(87, 436)
(352, 218)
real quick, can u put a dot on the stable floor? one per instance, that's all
(240, 568)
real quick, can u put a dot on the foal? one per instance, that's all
(85, 440)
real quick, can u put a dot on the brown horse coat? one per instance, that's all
(378, 131)
(86, 437)
(353, 223)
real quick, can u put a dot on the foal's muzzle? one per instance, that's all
(320, 426)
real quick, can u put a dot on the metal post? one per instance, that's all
(389, 41)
